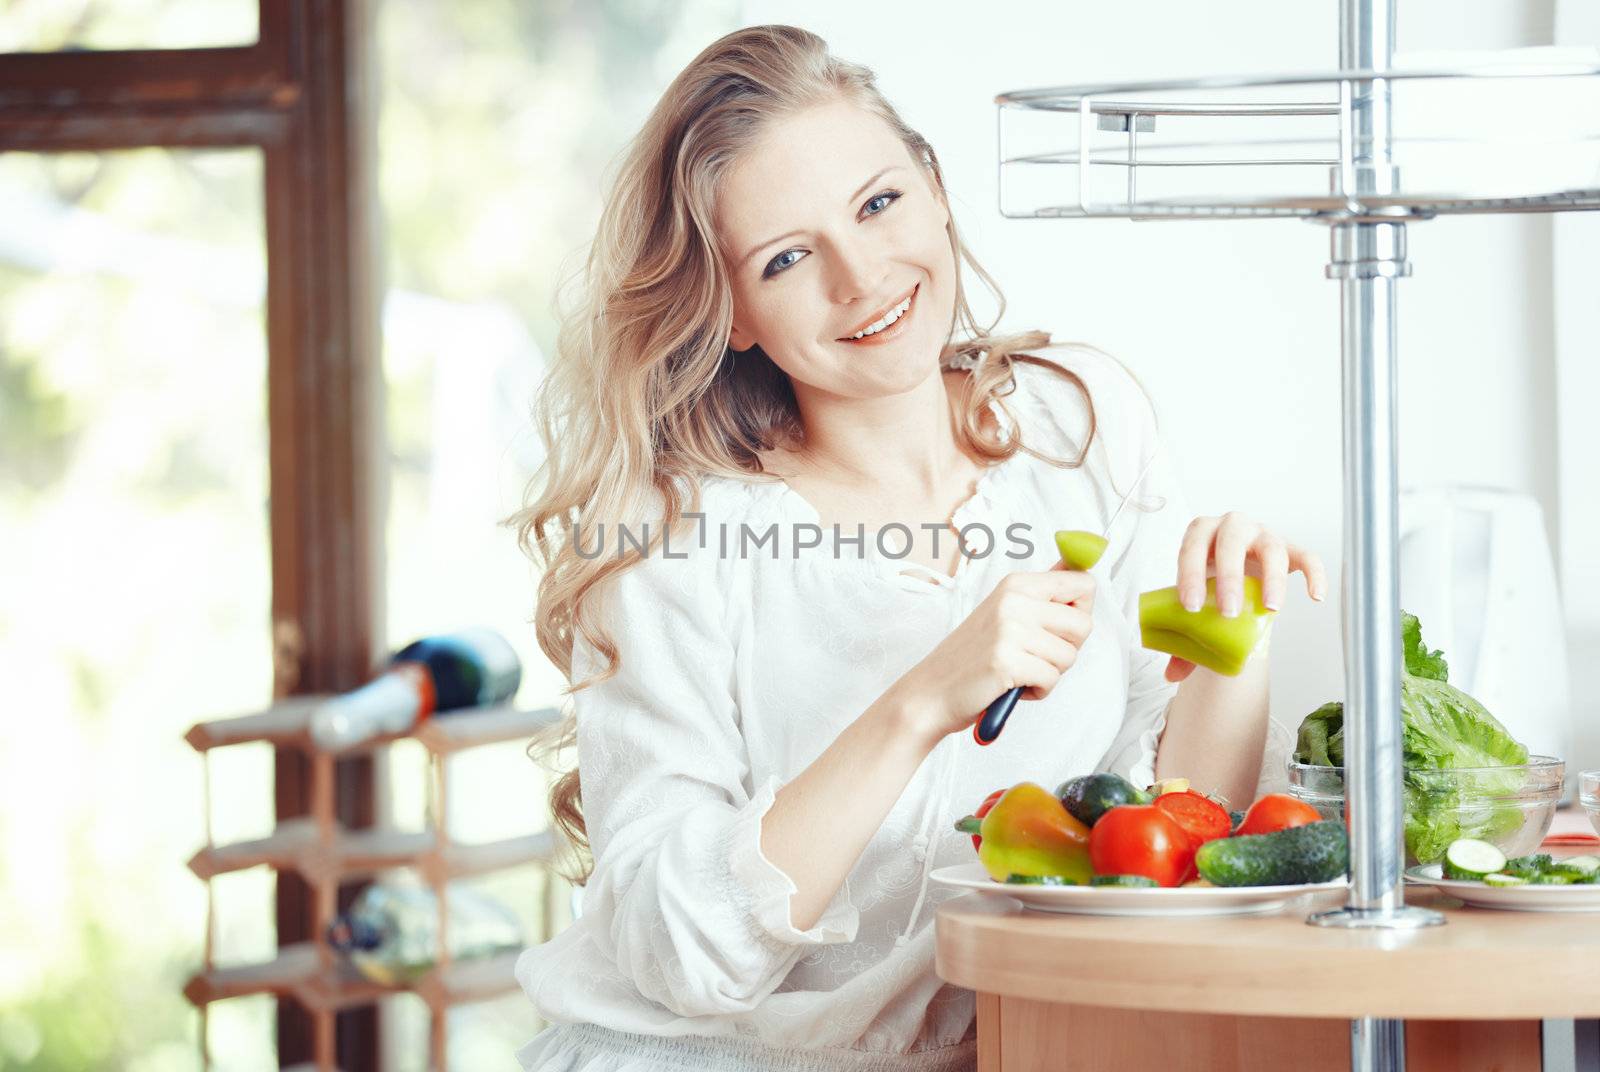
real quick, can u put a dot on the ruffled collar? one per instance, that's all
(969, 360)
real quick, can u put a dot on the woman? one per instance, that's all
(772, 712)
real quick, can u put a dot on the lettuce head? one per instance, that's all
(1442, 728)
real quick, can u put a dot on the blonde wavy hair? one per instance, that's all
(642, 398)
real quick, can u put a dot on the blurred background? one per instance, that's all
(137, 540)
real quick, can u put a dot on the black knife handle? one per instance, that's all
(987, 728)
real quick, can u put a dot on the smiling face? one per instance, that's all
(826, 224)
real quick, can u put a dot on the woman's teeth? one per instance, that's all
(889, 318)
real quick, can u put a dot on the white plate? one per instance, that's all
(1528, 898)
(1126, 901)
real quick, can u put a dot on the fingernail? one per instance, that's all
(1191, 601)
(1271, 603)
(1230, 606)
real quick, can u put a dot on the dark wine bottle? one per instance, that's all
(390, 932)
(464, 669)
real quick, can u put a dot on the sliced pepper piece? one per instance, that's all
(1080, 550)
(1028, 832)
(1204, 636)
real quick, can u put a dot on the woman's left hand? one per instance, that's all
(1228, 548)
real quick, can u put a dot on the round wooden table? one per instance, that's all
(1268, 992)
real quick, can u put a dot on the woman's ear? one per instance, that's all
(739, 340)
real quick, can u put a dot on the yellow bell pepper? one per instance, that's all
(1030, 832)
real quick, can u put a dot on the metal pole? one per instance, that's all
(1372, 760)
(1377, 1044)
(1368, 255)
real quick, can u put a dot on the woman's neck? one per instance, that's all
(897, 442)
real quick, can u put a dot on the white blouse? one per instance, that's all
(738, 670)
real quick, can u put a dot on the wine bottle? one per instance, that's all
(468, 668)
(390, 933)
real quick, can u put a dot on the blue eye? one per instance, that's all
(777, 264)
(888, 197)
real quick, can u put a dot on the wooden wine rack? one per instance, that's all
(327, 855)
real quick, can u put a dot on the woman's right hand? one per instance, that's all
(1026, 632)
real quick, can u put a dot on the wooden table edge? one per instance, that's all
(1334, 975)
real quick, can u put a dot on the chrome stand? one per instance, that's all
(1368, 257)
(1367, 260)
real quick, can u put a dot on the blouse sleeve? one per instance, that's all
(682, 898)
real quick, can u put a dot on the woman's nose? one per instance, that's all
(858, 273)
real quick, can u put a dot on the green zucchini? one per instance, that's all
(1140, 882)
(1039, 880)
(1500, 879)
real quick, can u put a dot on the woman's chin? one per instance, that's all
(902, 374)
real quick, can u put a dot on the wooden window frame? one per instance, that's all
(302, 94)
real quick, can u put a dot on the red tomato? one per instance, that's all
(1141, 839)
(1201, 817)
(983, 809)
(1277, 811)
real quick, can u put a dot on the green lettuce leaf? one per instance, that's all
(1322, 736)
(1446, 728)
(1420, 662)
(1442, 728)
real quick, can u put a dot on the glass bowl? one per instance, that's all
(1589, 796)
(1509, 807)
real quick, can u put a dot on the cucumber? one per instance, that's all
(1088, 797)
(1561, 870)
(1315, 852)
(1500, 879)
(1039, 880)
(1550, 878)
(1587, 864)
(1469, 859)
(1139, 882)
(1528, 866)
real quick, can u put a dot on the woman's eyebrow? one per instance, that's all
(861, 190)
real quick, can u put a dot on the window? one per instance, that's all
(190, 362)
(53, 25)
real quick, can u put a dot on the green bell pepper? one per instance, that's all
(1204, 636)
(1080, 550)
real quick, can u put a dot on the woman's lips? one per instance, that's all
(893, 331)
